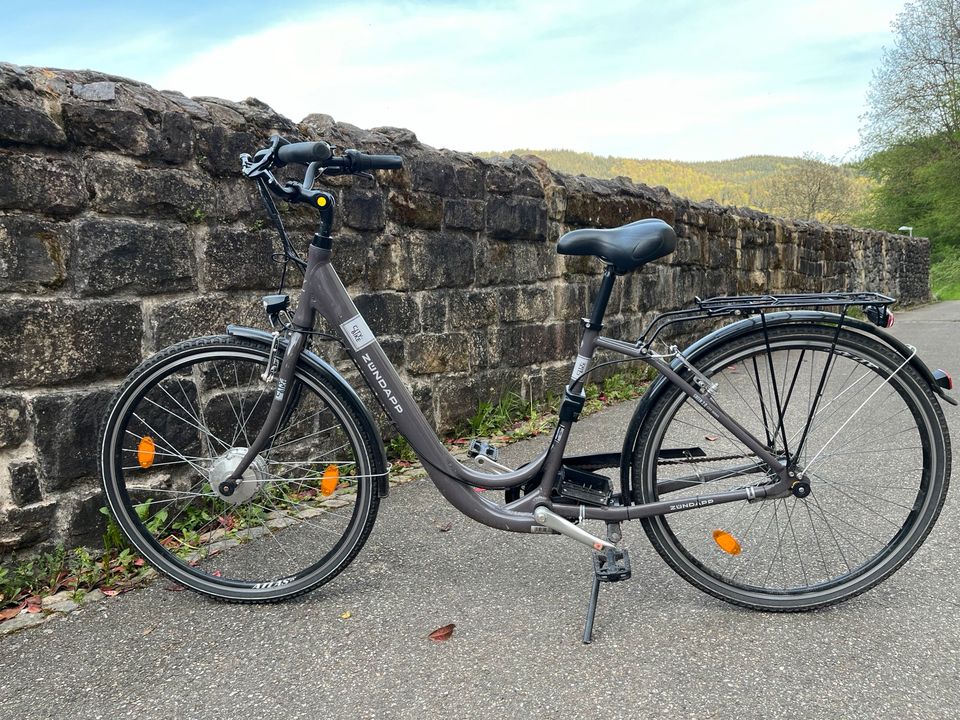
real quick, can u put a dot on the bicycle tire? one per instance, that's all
(840, 515)
(222, 548)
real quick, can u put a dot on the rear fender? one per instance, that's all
(328, 373)
(710, 342)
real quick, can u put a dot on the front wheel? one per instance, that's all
(874, 449)
(179, 426)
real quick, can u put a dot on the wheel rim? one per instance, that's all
(199, 412)
(870, 477)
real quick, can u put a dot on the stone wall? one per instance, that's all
(125, 226)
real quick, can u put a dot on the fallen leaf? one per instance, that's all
(33, 604)
(346, 615)
(110, 593)
(139, 562)
(9, 613)
(217, 573)
(444, 527)
(442, 633)
(149, 630)
(173, 587)
(711, 438)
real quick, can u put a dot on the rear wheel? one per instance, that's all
(876, 456)
(180, 425)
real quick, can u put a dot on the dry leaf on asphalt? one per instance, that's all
(149, 630)
(346, 615)
(9, 613)
(711, 438)
(442, 633)
(444, 527)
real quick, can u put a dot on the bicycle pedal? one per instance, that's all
(482, 447)
(612, 565)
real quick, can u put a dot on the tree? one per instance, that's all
(812, 189)
(915, 93)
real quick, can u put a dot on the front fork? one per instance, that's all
(281, 399)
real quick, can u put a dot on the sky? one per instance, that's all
(666, 79)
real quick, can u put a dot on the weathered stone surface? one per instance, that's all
(516, 218)
(61, 602)
(236, 258)
(32, 253)
(96, 91)
(512, 176)
(525, 303)
(122, 188)
(466, 214)
(107, 127)
(428, 353)
(219, 148)
(24, 483)
(21, 622)
(111, 256)
(389, 313)
(22, 527)
(440, 175)
(27, 114)
(53, 341)
(13, 420)
(66, 434)
(416, 209)
(363, 209)
(87, 523)
(171, 322)
(51, 185)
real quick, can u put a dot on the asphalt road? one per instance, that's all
(661, 649)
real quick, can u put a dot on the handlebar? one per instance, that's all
(304, 153)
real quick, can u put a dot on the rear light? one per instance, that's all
(943, 379)
(879, 315)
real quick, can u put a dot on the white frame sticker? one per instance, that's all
(357, 332)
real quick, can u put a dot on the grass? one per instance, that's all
(945, 273)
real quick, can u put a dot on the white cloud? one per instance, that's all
(692, 81)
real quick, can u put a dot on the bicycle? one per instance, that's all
(245, 468)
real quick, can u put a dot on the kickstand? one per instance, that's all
(612, 565)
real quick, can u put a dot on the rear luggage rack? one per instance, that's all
(875, 308)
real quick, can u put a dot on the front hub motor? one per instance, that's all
(253, 477)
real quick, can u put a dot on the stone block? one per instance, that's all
(416, 209)
(516, 218)
(107, 127)
(389, 313)
(32, 253)
(363, 209)
(173, 143)
(177, 320)
(525, 303)
(440, 175)
(111, 256)
(29, 124)
(512, 263)
(421, 261)
(51, 185)
(13, 420)
(26, 526)
(219, 148)
(47, 342)
(465, 214)
(239, 258)
(474, 308)
(24, 482)
(122, 188)
(522, 345)
(66, 435)
(87, 524)
(512, 177)
(428, 353)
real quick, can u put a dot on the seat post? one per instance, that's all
(603, 297)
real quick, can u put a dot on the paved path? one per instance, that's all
(662, 649)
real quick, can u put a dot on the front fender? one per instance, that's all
(328, 373)
(709, 342)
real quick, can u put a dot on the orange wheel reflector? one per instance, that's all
(727, 542)
(146, 451)
(330, 480)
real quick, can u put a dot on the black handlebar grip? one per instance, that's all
(361, 161)
(304, 153)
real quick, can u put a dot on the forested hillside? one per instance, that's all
(808, 187)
